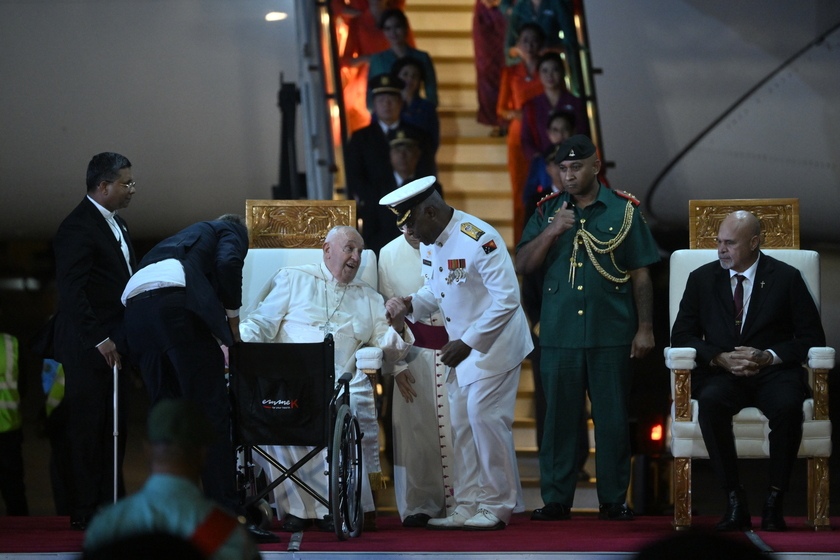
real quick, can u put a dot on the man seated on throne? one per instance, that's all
(303, 304)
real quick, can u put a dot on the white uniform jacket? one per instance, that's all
(469, 276)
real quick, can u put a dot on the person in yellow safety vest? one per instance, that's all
(11, 433)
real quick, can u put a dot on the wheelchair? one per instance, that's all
(285, 394)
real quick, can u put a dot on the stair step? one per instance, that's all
(457, 85)
(443, 6)
(455, 72)
(467, 152)
(439, 18)
(445, 44)
(443, 34)
(466, 182)
(465, 98)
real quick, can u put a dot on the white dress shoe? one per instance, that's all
(484, 521)
(451, 523)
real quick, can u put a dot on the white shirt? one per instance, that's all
(386, 129)
(748, 283)
(168, 273)
(117, 231)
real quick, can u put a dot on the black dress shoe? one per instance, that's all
(79, 524)
(292, 524)
(772, 518)
(552, 511)
(737, 516)
(326, 524)
(261, 536)
(416, 520)
(80, 521)
(615, 512)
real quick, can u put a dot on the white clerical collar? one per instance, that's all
(386, 129)
(107, 214)
(328, 276)
(749, 274)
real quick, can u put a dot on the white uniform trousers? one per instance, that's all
(289, 498)
(486, 473)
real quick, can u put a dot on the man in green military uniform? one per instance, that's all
(593, 247)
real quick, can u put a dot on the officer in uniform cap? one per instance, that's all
(369, 172)
(469, 278)
(593, 247)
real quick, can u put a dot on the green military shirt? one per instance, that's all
(592, 311)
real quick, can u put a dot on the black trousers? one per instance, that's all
(179, 357)
(89, 432)
(777, 392)
(11, 472)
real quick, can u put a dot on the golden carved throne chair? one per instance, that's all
(780, 238)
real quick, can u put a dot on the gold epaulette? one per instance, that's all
(628, 196)
(546, 197)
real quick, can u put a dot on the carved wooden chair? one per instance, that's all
(780, 239)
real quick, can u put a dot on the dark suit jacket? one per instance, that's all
(781, 316)
(212, 254)
(91, 273)
(370, 176)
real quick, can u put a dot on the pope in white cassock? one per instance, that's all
(301, 304)
(422, 430)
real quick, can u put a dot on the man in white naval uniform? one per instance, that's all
(301, 304)
(420, 405)
(470, 278)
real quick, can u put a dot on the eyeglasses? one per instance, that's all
(129, 185)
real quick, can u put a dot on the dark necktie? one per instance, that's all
(739, 302)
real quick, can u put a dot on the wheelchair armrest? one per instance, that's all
(345, 377)
(369, 358)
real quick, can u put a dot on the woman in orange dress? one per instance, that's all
(520, 83)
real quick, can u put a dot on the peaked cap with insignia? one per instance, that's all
(403, 200)
(403, 136)
(386, 83)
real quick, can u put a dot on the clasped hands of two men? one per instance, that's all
(453, 353)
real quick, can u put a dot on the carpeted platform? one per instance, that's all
(583, 534)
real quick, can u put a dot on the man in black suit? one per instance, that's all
(752, 320)
(367, 160)
(182, 302)
(94, 259)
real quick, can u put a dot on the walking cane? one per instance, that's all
(116, 429)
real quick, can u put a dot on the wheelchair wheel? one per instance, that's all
(346, 475)
(261, 515)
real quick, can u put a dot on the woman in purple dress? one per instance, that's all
(489, 28)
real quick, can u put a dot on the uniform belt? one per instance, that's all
(150, 293)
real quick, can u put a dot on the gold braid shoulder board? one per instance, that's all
(594, 245)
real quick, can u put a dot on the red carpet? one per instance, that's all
(581, 534)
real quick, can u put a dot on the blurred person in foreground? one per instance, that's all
(171, 501)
